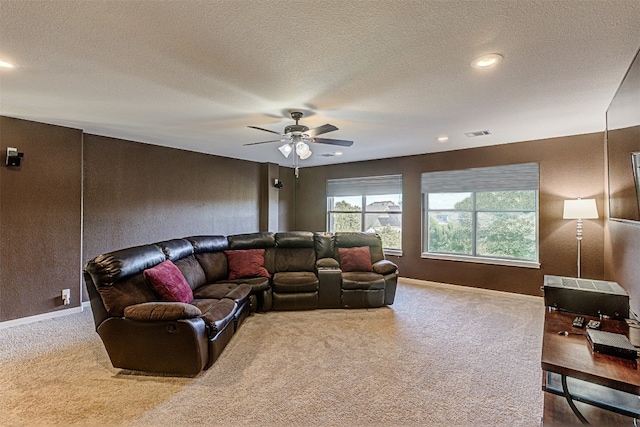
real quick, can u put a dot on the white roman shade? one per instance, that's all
(365, 186)
(523, 176)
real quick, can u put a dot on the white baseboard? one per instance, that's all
(43, 316)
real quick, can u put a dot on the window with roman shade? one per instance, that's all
(487, 214)
(372, 203)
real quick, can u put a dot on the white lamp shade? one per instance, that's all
(580, 209)
(285, 149)
(302, 149)
(306, 155)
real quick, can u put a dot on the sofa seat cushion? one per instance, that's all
(216, 313)
(237, 292)
(257, 284)
(362, 280)
(298, 281)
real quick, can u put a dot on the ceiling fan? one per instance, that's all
(297, 138)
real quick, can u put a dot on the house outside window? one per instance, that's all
(372, 204)
(485, 215)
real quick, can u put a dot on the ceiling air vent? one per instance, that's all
(478, 133)
(325, 155)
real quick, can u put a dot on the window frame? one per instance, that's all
(363, 211)
(474, 211)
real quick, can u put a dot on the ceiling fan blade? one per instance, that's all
(265, 142)
(342, 142)
(266, 130)
(321, 129)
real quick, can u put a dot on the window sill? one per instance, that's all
(392, 252)
(477, 260)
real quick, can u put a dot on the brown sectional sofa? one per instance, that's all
(305, 270)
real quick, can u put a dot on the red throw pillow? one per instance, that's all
(168, 282)
(355, 259)
(246, 263)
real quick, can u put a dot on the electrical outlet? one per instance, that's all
(66, 296)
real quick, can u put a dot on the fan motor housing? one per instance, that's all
(296, 129)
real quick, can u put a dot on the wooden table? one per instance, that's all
(571, 369)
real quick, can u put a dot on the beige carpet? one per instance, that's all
(441, 355)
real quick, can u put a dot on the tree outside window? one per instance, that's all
(382, 214)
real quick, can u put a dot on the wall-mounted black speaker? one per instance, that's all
(14, 157)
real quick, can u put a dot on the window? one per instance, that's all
(482, 214)
(371, 204)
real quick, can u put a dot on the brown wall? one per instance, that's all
(139, 193)
(570, 167)
(40, 218)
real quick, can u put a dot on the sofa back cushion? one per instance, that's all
(118, 276)
(294, 251)
(192, 271)
(262, 240)
(130, 291)
(204, 244)
(246, 263)
(214, 265)
(295, 259)
(325, 245)
(176, 249)
(168, 282)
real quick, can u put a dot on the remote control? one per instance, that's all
(593, 324)
(578, 322)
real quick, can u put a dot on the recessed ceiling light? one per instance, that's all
(442, 138)
(5, 64)
(486, 61)
(338, 153)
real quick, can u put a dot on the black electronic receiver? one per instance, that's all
(612, 344)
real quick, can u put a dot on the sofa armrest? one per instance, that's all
(384, 267)
(327, 263)
(161, 311)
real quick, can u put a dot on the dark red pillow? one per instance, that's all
(168, 282)
(355, 259)
(246, 263)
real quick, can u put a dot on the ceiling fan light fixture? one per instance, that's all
(302, 149)
(285, 150)
(306, 155)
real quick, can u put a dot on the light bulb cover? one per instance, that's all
(302, 149)
(285, 150)
(306, 155)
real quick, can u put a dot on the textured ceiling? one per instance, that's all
(391, 75)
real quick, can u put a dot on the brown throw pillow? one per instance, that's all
(246, 263)
(355, 259)
(168, 282)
